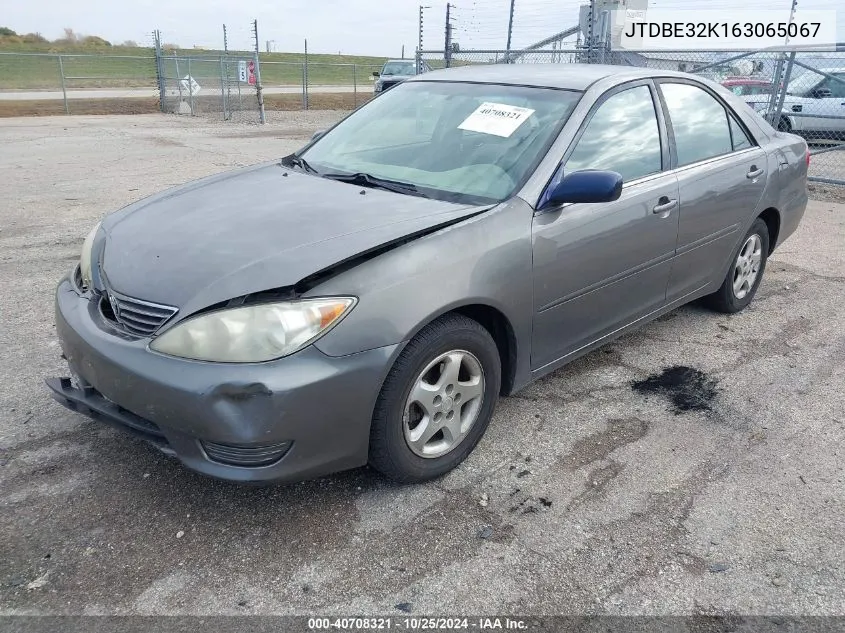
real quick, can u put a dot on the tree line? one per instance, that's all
(71, 38)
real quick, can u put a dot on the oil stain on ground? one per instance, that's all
(686, 388)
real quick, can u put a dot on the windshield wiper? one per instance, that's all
(373, 182)
(294, 160)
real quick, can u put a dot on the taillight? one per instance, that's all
(808, 156)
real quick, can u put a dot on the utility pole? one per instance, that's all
(258, 91)
(225, 40)
(510, 33)
(447, 49)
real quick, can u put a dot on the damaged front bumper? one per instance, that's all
(297, 417)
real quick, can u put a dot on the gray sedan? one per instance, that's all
(368, 298)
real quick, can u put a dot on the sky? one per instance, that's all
(362, 27)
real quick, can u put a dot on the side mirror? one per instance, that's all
(584, 186)
(317, 135)
(376, 73)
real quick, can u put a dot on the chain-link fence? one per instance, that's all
(799, 91)
(319, 86)
(46, 83)
(197, 84)
(221, 86)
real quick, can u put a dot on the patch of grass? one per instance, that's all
(52, 107)
(319, 101)
(36, 67)
(208, 106)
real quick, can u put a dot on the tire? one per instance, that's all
(727, 299)
(784, 125)
(452, 345)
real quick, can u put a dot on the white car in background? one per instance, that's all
(814, 106)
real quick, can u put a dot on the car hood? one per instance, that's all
(251, 230)
(394, 78)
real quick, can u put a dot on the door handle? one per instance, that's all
(664, 205)
(754, 173)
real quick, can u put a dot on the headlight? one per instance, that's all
(253, 334)
(85, 257)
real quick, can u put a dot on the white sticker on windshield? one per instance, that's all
(496, 118)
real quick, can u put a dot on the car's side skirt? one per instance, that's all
(633, 325)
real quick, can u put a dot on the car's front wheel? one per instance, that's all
(437, 400)
(746, 271)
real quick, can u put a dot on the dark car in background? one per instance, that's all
(395, 71)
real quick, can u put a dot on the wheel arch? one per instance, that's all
(771, 216)
(500, 328)
(790, 123)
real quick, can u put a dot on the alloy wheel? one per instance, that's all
(747, 266)
(444, 403)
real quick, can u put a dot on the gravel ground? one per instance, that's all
(623, 484)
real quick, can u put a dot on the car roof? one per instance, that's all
(400, 61)
(561, 76)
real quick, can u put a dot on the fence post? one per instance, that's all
(510, 34)
(258, 89)
(305, 77)
(781, 90)
(304, 94)
(355, 85)
(64, 89)
(773, 98)
(223, 84)
(447, 47)
(190, 88)
(162, 86)
(178, 84)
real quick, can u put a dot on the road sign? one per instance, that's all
(190, 85)
(246, 72)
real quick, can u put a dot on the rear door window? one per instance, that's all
(699, 122)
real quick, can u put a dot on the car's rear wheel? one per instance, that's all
(784, 125)
(437, 400)
(746, 271)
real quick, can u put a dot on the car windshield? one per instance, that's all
(399, 68)
(472, 143)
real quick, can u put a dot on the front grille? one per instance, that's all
(134, 315)
(249, 456)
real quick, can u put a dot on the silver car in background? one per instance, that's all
(370, 297)
(395, 71)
